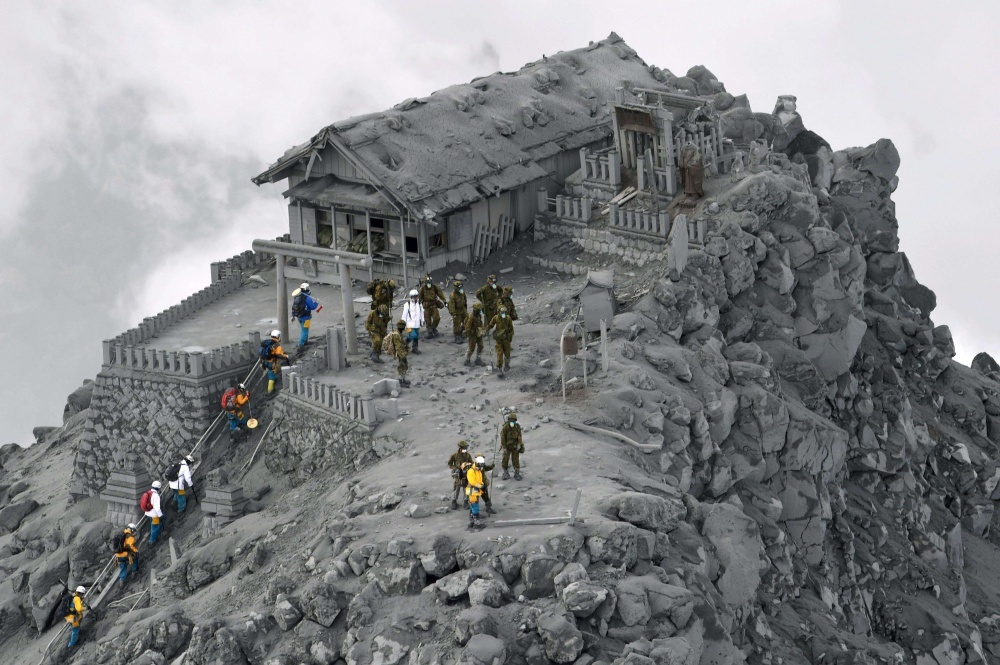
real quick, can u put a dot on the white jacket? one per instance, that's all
(413, 314)
(155, 500)
(183, 477)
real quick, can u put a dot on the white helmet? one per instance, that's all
(189, 459)
(480, 460)
(304, 286)
(156, 485)
(413, 293)
(81, 589)
(275, 334)
(130, 527)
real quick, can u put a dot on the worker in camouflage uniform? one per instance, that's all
(457, 460)
(376, 325)
(458, 307)
(507, 300)
(513, 445)
(385, 292)
(474, 325)
(489, 295)
(432, 298)
(399, 351)
(503, 335)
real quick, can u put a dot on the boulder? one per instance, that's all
(562, 641)
(439, 559)
(210, 562)
(213, 643)
(455, 585)
(476, 620)
(387, 651)
(320, 603)
(484, 650)
(12, 515)
(583, 597)
(538, 573)
(286, 612)
(644, 510)
(573, 572)
(613, 543)
(832, 353)
(399, 576)
(78, 400)
(45, 587)
(488, 591)
(881, 159)
(737, 543)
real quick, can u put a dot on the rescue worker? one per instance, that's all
(474, 329)
(303, 305)
(455, 463)
(79, 606)
(399, 352)
(385, 293)
(183, 483)
(502, 337)
(474, 495)
(458, 307)
(378, 320)
(154, 514)
(233, 401)
(271, 356)
(432, 299)
(513, 445)
(489, 296)
(372, 290)
(413, 316)
(507, 300)
(476, 477)
(128, 557)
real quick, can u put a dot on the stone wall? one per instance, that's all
(307, 440)
(630, 248)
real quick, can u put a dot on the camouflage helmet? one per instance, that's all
(428, 278)
(392, 283)
(503, 309)
(478, 306)
(458, 283)
(463, 445)
(401, 324)
(382, 310)
(512, 416)
(491, 278)
(508, 289)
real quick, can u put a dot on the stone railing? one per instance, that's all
(572, 208)
(639, 221)
(237, 265)
(194, 364)
(605, 168)
(331, 399)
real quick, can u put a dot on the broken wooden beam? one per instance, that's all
(529, 521)
(646, 448)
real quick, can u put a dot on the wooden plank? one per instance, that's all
(528, 521)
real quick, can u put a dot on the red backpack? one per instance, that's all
(146, 501)
(229, 399)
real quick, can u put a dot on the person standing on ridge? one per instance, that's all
(376, 324)
(502, 338)
(179, 480)
(127, 553)
(303, 305)
(489, 296)
(457, 463)
(474, 326)
(271, 355)
(73, 613)
(150, 505)
(233, 401)
(413, 316)
(458, 307)
(512, 443)
(432, 299)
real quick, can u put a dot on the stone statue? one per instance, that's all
(692, 169)
(756, 155)
(736, 172)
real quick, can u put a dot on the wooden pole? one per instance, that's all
(282, 297)
(348, 300)
(368, 230)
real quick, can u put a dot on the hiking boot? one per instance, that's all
(458, 339)
(506, 476)
(465, 504)
(404, 382)
(499, 372)
(478, 524)
(472, 523)
(517, 474)
(454, 504)
(468, 362)
(416, 347)
(489, 509)
(479, 361)
(506, 367)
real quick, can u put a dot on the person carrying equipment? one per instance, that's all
(376, 324)
(395, 346)
(489, 296)
(413, 316)
(179, 480)
(476, 477)
(513, 445)
(474, 325)
(458, 307)
(502, 338)
(73, 609)
(126, 552)
(507, 300)
(149, 503)
(271, 355)
(456, 463)
(372, 290)
(432, 299)
(303, 305)
(233, 401)
(385, 292)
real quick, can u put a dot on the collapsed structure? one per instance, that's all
(781, 463)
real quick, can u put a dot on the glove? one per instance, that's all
(288, 363)
(520, 450)
(319, 309)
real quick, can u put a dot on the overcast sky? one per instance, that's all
(130, 131)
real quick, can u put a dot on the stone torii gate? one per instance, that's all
(313, 260)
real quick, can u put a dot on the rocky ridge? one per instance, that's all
(822, 487)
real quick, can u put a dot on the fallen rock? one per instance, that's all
(484, 650)
(562, 641)
(476, 620)
(538, 573)
(582, 598)
(398, 576)
(645, 510)
(319, 602)
(286, 613)
(488, 591)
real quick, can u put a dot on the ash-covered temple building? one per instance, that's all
(437, 179)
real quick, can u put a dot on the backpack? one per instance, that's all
(173, 472)
(299, 308)
(388, 347)
(146, 501)
(373, 287)
(228, 401)
(118, 542)
(66, 605)
(266, 349)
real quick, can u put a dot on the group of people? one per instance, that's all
(471, 474)
(124, 543)
(494, 313)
